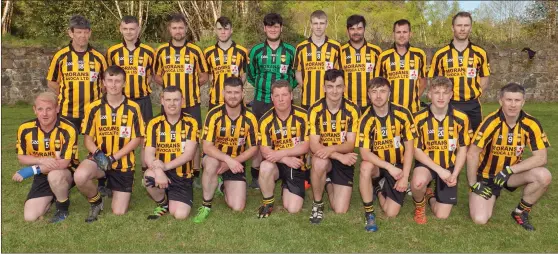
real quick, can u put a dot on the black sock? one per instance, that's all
(95, 200)
(143, 169)
(196, 173)
(255, 173)
(307, 176)
(163, 202)
(523, 206)
(319, 203)
(368, 207)
(102, 182)
(269, 200)
(64, 205)
(207, 203)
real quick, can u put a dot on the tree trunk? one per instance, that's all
(6, 17)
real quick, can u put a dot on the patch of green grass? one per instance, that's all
(227, 231)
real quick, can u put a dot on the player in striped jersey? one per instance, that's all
(284, 143)
(170, 145)
(49, 144)
(181, 63)
(333, 123)
(405, 67)
(113, 128)
(385, 138)
(314, 56)
(269, 61)
(494, 159)
(229, 140)
(224, 59)
(467, 65)
(440, 151)
(75, 72)
(358, 59)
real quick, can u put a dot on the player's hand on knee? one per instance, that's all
(444, 174)
(482, 190)
(396, 172)
(48, 164)
(401, 184)
(293, 162)
(103, 161)
(502, 177)
(452, 181)
(161, 180)
(324, 153)
(348, 159)
(235, 166)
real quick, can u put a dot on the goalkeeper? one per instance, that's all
(113, 128)
(47, 145)
(494, 159)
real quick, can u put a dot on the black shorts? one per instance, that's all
(473, 110)
(292, 179)
(76, 122)
(443, 193)
(259, 108)
(341, 174)
(120, 181)
(180, 189)
(230, 176)
(41, 188)
(194, 111)
(495, 188)
(145, 107)
(389, 190)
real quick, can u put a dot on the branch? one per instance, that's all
(108, 9)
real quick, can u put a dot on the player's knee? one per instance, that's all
(293, 209)
(81, 177)
(118, 210)
(418, 184)
(544, 177)
(442, 215)
(319, 165)
(480, 219)
(30, 216)
(266, 168)
(391, 213)
(180, 215)
(340, 209)
(237, 206)
(56, 178)
(366, 169)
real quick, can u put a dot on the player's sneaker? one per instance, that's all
(523, 220)
(59, 216)
(370, 222)
(220, 186)
(203, 213)
(317, 213)
(255, 184)
(105, 192)
(420, 214)
(265, 210)
(158, 212)
(94, 212)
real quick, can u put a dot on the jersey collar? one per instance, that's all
(325, 40)
(137, 43)
(503, 117)
(104, 100)
(449, 113)
(452, 46)
(89, 47)
(172, 45)
(267, 44)
(408, 45)
(233, 45)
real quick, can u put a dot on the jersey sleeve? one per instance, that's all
(484, 133)
(209, 129)
(353, 123)
(194, 133)
(484, 65)
(409, 129)
(54, 68)
(312, 120)
(265, 138)
(422, 65)
(88, 122)
(138, 125)
(304, 130)
(207, 57)
(253, 68)
(536, 138)
(201, 61)
(465, 132)
(21, 144)
(67, 147)
(435, 66)
(253, 131)
(158, 62)
(298, 59)
(365, 128)
(243, 62)
(150, 134)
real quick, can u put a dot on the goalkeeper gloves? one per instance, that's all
(502, 177)
(103, 161)
(482, 190)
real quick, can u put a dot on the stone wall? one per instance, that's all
(24, 70)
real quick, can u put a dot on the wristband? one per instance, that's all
(29, 171)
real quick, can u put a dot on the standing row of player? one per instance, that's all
(74, 73)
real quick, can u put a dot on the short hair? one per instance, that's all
(512, 88)
(114, 70)
(79, 22)
(332, 74)
(377, 82)
(443, 82)
(224, 21)
(48, 97)
(354, 20)
(280, 84)
(129, 20)
(233, 82)
(271, 19)
(177, 17)
(402, 22)
(318, 14)
(171, 89)
(463, 14)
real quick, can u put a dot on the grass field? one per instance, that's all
(226, 231)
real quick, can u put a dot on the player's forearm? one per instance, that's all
(89, 144)
(344, 148)
(243, 77)
(298, 76)
(212, 151)
(460, 159)
(300, 149)
(538, 159)
(371, 157)
(187, 156)
(62, 163)
(472, 164)
(247, 154)
(408, 158)
(28, 160)
(484, 83)
(204, 76)
(315, 143)
(422, 86)
(149, 156)
(426, 160)
(54, 86)
(128, 148)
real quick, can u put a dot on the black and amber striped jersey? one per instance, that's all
(404, 73)
(313, 61)
(169, 140)
(358, 65)
(284, 134)
(503, 145)
(181, 66)
(231, 136)
(385, 136)
(113, 128)
(464, 69)
(223, 64)
(79, 76)
(441, 139)
(333, 127)
(137, 63)
(60, 142)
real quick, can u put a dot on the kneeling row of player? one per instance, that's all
(387, 134)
